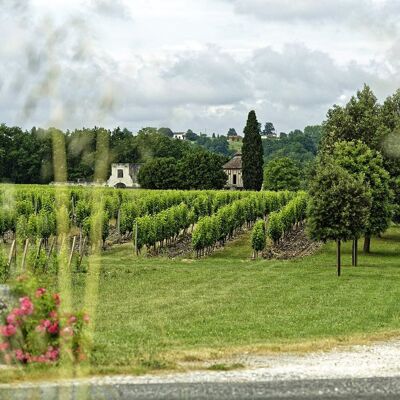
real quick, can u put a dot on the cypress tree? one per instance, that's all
(252, 154)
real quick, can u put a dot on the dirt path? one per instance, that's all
(381, 360)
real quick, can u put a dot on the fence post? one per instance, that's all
(24, 255)
(72, 251)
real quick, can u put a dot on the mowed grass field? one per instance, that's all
(153, 313)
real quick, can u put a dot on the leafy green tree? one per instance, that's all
(358, 120)
(357, 158)
(282, 174)
(252, 154)
(269, 130)
(232, 132)
(190, 135)
(201, 170)
(339, 205)
(166, 132)
(159, 173)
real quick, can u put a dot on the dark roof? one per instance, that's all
(235, 162)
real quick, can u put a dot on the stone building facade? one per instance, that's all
(124, 176)
(233, 170)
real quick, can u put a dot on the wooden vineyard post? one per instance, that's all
(355, 253)
(81, 253)
(72, 252)
(39, 248)
(11, 255)
(119, 221)
(24, 255)
(49, 252)
(338, 258)
(136, 236)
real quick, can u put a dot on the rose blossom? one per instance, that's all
(57, 299)
(53, 328)
(26, 305)
(53, 314)
(40, 292)
(72, 319)
(4, 346)
(67, 331)
(8, 330)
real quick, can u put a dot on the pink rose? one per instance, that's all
(40, 292)
(72, 319)
(21, 356)
(26, 305)
(53, 314)
(12, 318)
(67, 331)
(53, 328)
(57, 299)
(8, 330)
(4, 346)
(52, 353)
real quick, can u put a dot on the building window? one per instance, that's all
(120, 173)
(234, 179)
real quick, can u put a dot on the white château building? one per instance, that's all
(124, 176)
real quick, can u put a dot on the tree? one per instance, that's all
(201, 170)
(159, 173)
(252, 154)
(166, 132)
(282, 174)
(190, 135)
(339, 205)
(358, 159)
(358, 120)
(269, 130)
(232, 132)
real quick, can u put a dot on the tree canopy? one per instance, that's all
(282, 174)
(252, 154)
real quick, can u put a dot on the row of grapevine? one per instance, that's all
(223, 224)
(162, 226)
(167, 225)
(280, 223)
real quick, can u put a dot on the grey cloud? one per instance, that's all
(110, 8)
(369, 15)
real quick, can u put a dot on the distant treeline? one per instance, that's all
(26, 156)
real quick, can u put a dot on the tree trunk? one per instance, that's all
(355, 243)
(367, 244)
(338, 258)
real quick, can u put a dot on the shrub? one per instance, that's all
(34, 331)
(258, 236)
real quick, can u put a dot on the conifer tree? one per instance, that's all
(252, 154)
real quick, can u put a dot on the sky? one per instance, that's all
(190, 64)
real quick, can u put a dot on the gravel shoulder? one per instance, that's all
(381, 360)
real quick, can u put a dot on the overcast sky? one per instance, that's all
(189, 63)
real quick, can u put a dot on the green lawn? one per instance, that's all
(154, 312)
(155, 307)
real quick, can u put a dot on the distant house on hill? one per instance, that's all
(180, 135)
(124, 176)
(233, 170)
(235, 138)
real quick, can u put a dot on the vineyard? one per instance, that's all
(30, 221)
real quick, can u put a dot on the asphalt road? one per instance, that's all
(365, 388)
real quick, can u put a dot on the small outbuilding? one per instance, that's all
(180, 135)
(124, 176)
(233, 170)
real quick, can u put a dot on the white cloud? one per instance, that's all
(204, 67)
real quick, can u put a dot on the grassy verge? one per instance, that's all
(154, 313)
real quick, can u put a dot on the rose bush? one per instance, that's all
(34, 330)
